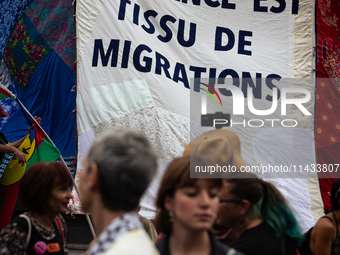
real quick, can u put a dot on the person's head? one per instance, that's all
(240, 196)
(44, 188)
(192, 203)
(222, 146)
(243, 197)
(119, 167)
(335, 195)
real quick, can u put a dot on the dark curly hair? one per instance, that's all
(335, 195)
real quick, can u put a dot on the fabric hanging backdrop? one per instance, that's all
(136, 62)
(36, 66)
(327, 114)
(37, 52)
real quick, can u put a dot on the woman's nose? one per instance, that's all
(204, 199)
(69, 194)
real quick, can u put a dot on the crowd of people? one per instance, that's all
(237, 214)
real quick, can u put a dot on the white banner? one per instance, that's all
(137, 60)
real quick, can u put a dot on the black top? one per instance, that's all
(39, 244)
(261, 240)
(217, 247)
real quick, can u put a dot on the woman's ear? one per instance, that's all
(168, 203)
(245, 207)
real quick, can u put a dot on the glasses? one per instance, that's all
(233, 200)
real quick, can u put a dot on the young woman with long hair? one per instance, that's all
(187, 210)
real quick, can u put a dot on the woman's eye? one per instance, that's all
(191, 194)
(213, 195)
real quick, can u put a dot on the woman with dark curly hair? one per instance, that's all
(45, 191)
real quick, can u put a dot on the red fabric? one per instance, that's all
(4, 92)
(328, 155)
(59, 224)
(329, 56)
(328, 18)
(327, 114)
(8, 199)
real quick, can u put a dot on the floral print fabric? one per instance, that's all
(10, 12)
(24, 53)
(53, 20)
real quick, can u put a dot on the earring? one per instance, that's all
(171, 217)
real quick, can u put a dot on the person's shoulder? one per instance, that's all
(323, 229)
(13, 238)
(220, 248)
(21, 223)
(259, 232)
(324, 224)
(244, 247)
(136, 241)
(163, 246)
(149, 227)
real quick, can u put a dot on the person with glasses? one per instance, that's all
(187, 210)
(258, 212)
(325, 237)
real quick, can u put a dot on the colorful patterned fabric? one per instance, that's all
(71, 163)
(31, 62)
(118, 227)
(6, 159)
(8, 104)
(4, 94)
(10, 12)
(327, 131)
(329, 56)
(49, 96)
(327, 117)
(25, 50)
(328, 21)
(53, 20)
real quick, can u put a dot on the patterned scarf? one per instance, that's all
(119, 226)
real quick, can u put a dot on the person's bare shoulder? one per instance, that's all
(324, 227)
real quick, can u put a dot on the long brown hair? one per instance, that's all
(177, 175)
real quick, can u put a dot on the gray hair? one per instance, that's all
(126, 163)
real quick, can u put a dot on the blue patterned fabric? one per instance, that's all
(7, 158)
(49, 95)
(71, 163)
(8, 104)
(10, 12)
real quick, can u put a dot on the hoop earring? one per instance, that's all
(171, 217)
